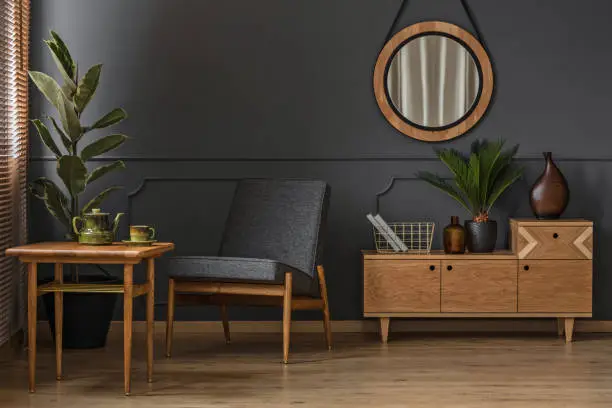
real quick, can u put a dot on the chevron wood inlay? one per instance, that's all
(584, 242)
(526, 242)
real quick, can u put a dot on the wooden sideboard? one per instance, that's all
(547, 273)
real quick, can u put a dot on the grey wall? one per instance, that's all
(219, 90)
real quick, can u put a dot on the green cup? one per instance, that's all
(140, 233)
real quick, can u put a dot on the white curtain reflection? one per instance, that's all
(433, 81)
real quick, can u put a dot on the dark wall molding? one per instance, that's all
(365, 158)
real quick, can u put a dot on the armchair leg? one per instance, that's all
(326, 317)
(170, 320)
(224, 319)
(287, 315)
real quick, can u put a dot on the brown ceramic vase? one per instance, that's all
(454, 237)
(550, 194)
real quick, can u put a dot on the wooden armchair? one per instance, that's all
(270, 255)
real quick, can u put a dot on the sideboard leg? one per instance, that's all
(384, 329)
(560, 326)
(569, 329)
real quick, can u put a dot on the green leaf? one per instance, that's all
(102, 170)
(114, 116)
(66, 59)
(505, 159)
(65, 140)
(73, 173)
(61, 62)
(102, 146)
(55, 201)
(69, 119)
(481, 177)
(96, 201)
(87, 87)
(489, 154)
(441, 184)
(48, 87)
(44, 134)
(458, 165)
(473, 182)
(509, 176)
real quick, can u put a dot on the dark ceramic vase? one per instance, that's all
(454, 237)
(550, 194)
(481, 236)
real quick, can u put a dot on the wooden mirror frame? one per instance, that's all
(481, 59)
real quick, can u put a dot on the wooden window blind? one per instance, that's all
(14, 50)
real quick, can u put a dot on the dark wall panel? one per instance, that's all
(220, 90)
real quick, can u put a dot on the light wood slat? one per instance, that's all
(297, 302)
(73, 249)
(229, 288)
(14, 44)
(138, 289)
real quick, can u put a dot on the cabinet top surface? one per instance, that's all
(436, 254)
(562, 222)
(73, 249)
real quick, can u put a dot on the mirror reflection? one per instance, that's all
(433, 81)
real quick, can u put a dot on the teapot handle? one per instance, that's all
(74, 225)
(116, 222)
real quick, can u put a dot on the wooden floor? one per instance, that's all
(411, 371)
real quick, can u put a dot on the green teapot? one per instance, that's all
(96, 228)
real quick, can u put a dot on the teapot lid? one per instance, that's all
(96, 211)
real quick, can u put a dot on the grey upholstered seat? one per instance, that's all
(274, 226)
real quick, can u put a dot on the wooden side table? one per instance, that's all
(60, 253)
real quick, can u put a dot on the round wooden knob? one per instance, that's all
(555, 235)
(432, 268)
(526, 267)
(449, 268)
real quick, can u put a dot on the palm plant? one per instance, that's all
(479, 179)
(70, 100)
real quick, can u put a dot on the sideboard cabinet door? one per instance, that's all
(401, 286)
(479, 286)
(546, 286)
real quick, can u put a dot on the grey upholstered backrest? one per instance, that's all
(280, 220)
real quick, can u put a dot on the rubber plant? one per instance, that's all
(479, 178)
(70, 100)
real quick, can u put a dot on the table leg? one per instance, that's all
(59, 321)
(128, 288)
(32, 303)
(150, 316)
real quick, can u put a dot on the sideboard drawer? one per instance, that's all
(401, 286)
(553, 242)
(555, 286)
(479, 286)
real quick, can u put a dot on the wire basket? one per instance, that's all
(417, 236)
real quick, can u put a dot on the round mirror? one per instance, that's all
(433, 81)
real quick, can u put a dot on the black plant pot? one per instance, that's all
(480, 236)
(87, 316)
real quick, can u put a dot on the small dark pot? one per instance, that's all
(87, 316)
(480, 236)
